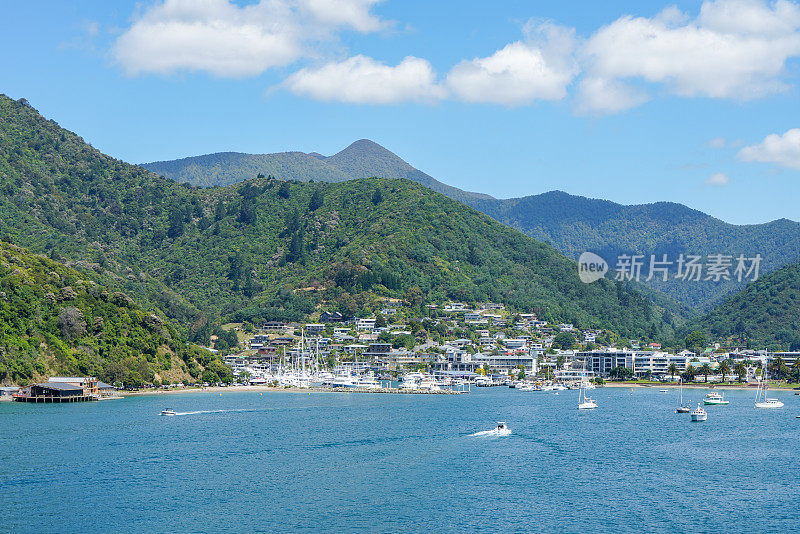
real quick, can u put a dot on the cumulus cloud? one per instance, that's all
(783, 150)
(363, 80)
(537, 68)
(733, 49)
(718, 179)
(224, 39)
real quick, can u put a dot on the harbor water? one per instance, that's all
(339, 462)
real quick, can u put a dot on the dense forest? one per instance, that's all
(56, 320)
(277, 249)
(765, 314)
(570, 223)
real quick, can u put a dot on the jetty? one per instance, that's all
(61, 389)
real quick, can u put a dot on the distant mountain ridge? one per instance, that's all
(571, 223)
(362, 159)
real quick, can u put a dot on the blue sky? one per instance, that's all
(635, 102)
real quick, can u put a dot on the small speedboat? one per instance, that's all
(698, 414)
(501, 429)
(168, 411)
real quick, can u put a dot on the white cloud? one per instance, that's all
(783, 150)
(362, 80)
(219, 37)
(734, 49)
(538, 68)
(718, 179)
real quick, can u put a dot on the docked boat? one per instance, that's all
(698, 414)
(761, 397)
(715, 399)
(168, 411)
(429, 384)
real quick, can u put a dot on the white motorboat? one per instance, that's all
(715, 399)
(168, 411)
(698, 414)
(761, 397)
(501, 429)
(429, 384)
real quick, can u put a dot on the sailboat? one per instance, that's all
(584, 402)
(682, 408)
(761, 396)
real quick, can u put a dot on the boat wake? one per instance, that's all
(494, 433)
(199, 412)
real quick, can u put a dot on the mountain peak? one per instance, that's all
(365, 148)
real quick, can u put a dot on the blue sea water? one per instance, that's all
(338, 462)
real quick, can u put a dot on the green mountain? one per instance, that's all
(576, 224)
(362, 159)
(272, 249)
(766, 313)
(56, 320)
(572, 224)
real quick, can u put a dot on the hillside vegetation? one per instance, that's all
(272, 249)
(56, 320)
(570, 223)
(766, 313)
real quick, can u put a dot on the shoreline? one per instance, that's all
(710, 385)
(262, 389)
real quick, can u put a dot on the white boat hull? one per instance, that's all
(770, 403)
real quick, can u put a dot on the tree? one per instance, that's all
(621, 373)
(70, 321)
(560, 361)
(247, 211)
(316, 200)
(696, 340)
(377, 196)
(565, 340)
(777, 368)
(741, 370)
(724, 368)
(688, 374)
(705, 370)
(672, 370)
(380, 321)
(284, 190)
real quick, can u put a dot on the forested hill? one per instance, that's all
(362, 159)
(276, 249)
(572, 224)
(766, 312)
(575, 224)
(56, 320)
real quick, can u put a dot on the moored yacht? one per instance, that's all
(761, 397)
(698, 414)
(715, 399)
